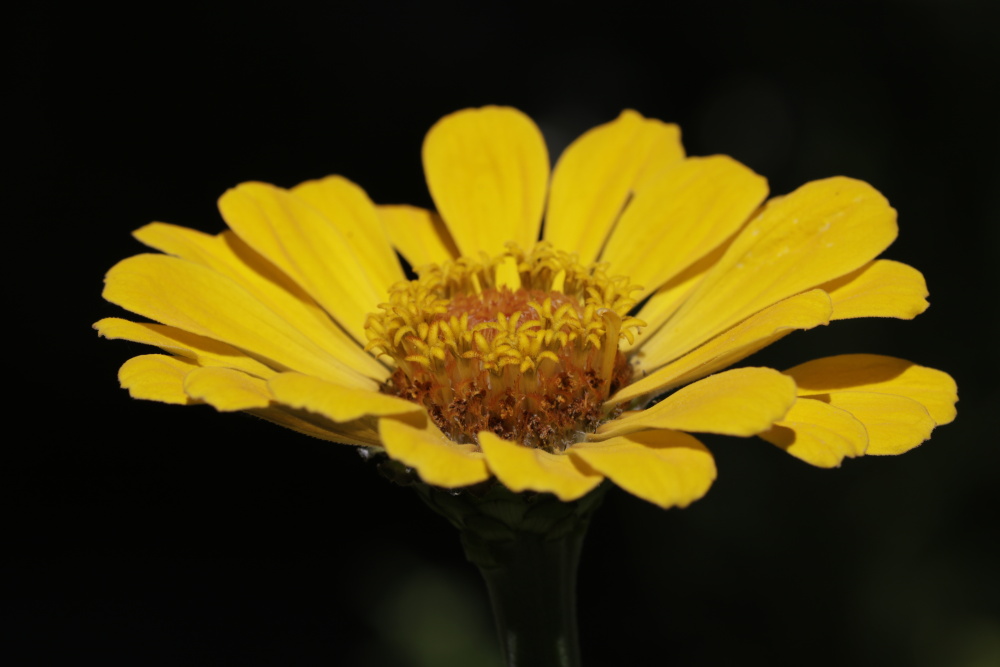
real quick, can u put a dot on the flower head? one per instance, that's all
(546, 314)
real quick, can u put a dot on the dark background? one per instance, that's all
(136, 533)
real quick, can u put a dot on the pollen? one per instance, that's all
(524, 345)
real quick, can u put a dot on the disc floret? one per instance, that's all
(524, 345)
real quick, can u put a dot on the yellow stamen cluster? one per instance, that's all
(507, 333)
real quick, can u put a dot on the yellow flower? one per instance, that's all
(530, 351)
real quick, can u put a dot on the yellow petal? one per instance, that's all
(821, 231)
(882, 288)
(348, 208)
(663, 303)
(596, 175)
(190, 244)
(282, 417)
(507, 274)
(803, 311)
(527, 469)
(227, 390)
(317, 427)
(418, 234)
(156, 377)
(337, 402)
(323, 257)
(741, 402)
(818, 433)
(667, 468)
(933, 389)
(228, 255)
(690, 209)
(417, 443)
(196, 299)
(663, 150)
(895, 424)
(203, 351)
(487, 170)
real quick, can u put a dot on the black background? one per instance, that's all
(142, 534)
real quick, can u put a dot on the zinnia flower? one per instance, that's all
(547, 313)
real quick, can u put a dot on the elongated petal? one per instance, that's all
(203, 351)
(895, 424)
(819, 433)
(882, 288)
(189, 244)
(741, 402)
(337, 402)
(663, 303)
(667, 468)
(227, 390)
(439, 461)
(329, 262)
(803, 311)
(527, 469)
(231, 257)
(820, 232)
(156, 377)
(318, 427)
(686, 212)
(418, 234)
(596, 175)
(348, 208)
(196, 299)
(487, 170)
(933, 389)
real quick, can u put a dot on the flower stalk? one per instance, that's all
(532, 586)
(527, 547)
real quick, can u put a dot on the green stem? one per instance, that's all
(527, 547)
(533, 593)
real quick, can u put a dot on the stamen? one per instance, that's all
(507, 275)
(524, 345)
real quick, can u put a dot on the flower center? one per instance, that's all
(524, 345)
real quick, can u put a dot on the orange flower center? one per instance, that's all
(524, 345)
